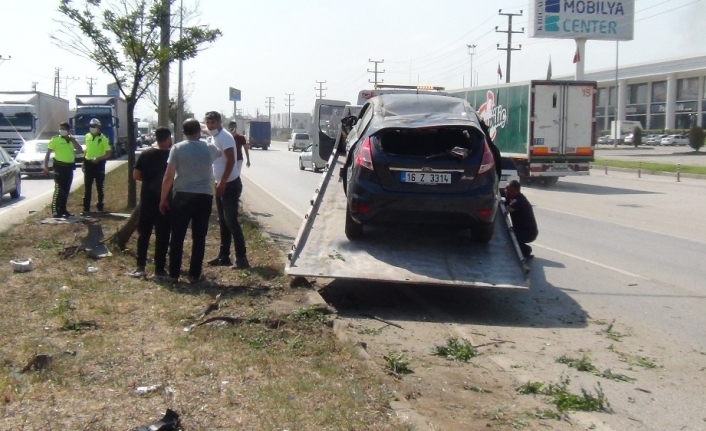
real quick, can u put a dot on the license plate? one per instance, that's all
(426, 178)
(504, 177)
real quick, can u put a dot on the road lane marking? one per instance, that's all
(592, 262)
(280, 201)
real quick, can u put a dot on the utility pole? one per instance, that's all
(163, 97)
(269, 103)
(509, 48)
(34, 85)
(471, 51)
(4, 59)
(90, 84)
(178, 133)
(289, 105)
(376, 72)
(321, 89)
(57, 82)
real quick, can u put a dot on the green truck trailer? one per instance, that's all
(547, 128)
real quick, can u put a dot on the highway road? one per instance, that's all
(612, 249)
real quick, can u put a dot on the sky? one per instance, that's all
(270, 48)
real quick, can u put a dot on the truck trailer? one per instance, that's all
(547, 128)
(111, 111)
(27, 115)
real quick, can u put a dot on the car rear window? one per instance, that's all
(301, 136)
(424, 105)
(428, 142)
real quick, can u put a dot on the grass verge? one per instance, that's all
(650, 166)
(101, 335)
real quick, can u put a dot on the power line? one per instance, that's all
(376, 72)
(509, 47)
(321, 89)
(289, 105)
(57, 82)
(4, 59)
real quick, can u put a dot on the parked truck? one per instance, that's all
(27, 115)
(321, 248)
(547, 128)
(111, 111)
(259, 134)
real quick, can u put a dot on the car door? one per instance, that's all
(5, 172)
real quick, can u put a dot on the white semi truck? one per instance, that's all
(27, 115)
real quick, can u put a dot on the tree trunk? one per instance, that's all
(122, 236)
(131, 183)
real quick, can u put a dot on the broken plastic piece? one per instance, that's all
(170, 422)
(22, 265)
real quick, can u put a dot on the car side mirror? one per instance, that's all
(5, 164)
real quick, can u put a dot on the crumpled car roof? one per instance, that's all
(422, 110)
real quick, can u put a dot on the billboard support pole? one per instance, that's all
(581, 48)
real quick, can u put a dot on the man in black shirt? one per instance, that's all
(149, 169)
(523, 222)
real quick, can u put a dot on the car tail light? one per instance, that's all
(361, 208)
(487, 163)
(364, 158)
(484, 212)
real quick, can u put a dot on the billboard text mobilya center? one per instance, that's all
(583, 19)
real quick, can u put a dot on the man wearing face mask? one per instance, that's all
(241, 145)
(97, 152)
(228, 190)
(63, 146)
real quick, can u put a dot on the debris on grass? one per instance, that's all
(398, 363)
(22, 265)
(456, 350)
(564, 400)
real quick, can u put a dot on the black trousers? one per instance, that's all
(231, 232)
(523, 237)
(93, 172)
(150, 218)
(63, 177)
(194, 208)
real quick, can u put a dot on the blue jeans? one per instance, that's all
(231, 232)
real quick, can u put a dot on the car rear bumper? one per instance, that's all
(371, 204)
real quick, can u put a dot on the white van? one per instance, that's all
(298, 141)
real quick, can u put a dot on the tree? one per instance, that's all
(637, 136)
(696, 138)
(122, 38)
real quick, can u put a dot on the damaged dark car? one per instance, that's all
(419, 159)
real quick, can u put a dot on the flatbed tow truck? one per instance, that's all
(418, 256)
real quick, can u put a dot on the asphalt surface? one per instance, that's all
(612, 248)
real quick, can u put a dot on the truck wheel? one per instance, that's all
(483, 232)
(265, 147)
(18, 189)
(549, 181)
(354, 230)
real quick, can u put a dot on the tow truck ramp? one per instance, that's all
(419, 255)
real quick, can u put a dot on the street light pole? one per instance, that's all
(178, 133)
(471, 51)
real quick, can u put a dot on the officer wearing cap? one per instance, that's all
(97, 152)
(63, 146)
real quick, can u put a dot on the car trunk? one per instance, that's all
(420, 160)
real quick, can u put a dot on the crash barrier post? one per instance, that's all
(639, 169)
(678, 172)
(605, 165)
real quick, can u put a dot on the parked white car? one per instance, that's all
(306, 160)
(672, 140)
(298, 141)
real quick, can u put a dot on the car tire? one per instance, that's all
(354, 230)
(289, 148)
(301, 165)
(483, 232)
(316, 168)
(550, 181)
(265, 148)
(18, 190)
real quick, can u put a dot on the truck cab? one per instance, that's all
(17, 125)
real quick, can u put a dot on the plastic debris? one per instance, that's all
(22, 265)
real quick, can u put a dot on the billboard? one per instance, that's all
(234, 95)
(113, 89)
(582, 19)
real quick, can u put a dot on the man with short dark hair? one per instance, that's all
(150, 168)
(241, 146)
(189, 173)
(228, 189)
(523, 222)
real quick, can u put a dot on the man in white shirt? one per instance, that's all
(228, 190)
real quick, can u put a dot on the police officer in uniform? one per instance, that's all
(97, 152)
(63, 146)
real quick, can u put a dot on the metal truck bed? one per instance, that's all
(419, 255)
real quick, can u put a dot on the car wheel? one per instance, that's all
(316, 168)
(265, 148)
(483, 232)
(549, 181)
(18, 190)
(289, 148)
(353, 230)
(301, 165)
